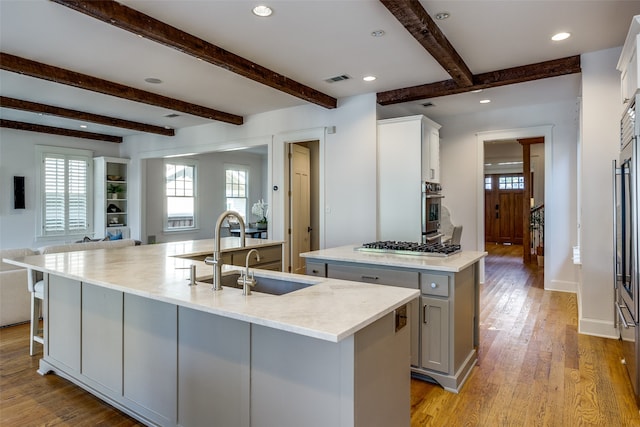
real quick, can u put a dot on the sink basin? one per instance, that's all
(265, 285)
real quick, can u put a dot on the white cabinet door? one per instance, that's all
(63, 321)
(430, 151)
(102, 337)
(435, 334)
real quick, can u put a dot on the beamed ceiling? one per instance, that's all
(68, 63)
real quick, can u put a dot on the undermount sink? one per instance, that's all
(265, 285)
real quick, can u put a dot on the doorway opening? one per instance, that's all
(302, 225)
(514, 195)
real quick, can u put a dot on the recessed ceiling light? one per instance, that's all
(153, 80)
(83, 126)
(441, 16)
(377, 33)
(476, 91)
(262, 11)
(560, 36)
(485, 101)
(369, 78)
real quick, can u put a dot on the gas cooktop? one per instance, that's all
(411, 248)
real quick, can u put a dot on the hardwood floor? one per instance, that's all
(534, 370)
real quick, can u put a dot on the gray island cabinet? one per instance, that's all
(444, 319)
(126, 326)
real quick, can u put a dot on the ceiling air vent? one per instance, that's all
(428, 104)
(172, 115)
(337, 78)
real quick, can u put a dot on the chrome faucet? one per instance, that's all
(215, 259)
(244, 280)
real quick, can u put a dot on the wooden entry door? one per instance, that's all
(504, 197)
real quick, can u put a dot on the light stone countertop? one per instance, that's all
(453, 263)
(330, 310)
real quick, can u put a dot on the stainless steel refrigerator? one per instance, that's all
(627, 278)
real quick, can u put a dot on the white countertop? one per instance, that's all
(453, 263)
(330, 310)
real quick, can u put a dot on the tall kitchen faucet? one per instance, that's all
(215, 259)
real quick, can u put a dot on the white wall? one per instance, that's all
(348, 161)
(461, 159)
(601, 113)
(18, 158)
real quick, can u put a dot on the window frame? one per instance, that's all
(165, 221)
(41, 153)
(246, 170)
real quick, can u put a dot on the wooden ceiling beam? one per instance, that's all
(417, 21)
(39, 70)
(509, 76)
(129, 19)
(30, 127)
(34, 107)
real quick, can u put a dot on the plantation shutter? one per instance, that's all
(65, 198)
(77, 195)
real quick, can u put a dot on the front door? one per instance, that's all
(504, 195)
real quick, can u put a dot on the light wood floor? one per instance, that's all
(535, 370)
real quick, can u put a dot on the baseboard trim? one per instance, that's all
(563, 286)
(598, 328)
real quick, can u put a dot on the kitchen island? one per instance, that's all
(444, 320)
(125, 325)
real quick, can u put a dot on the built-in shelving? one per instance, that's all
(111, 203)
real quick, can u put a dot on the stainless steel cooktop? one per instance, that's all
(411, 248)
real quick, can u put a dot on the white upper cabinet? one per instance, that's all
(430, 150)
(408, 154)
(628, 65)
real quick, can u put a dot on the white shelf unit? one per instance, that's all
(110, 214)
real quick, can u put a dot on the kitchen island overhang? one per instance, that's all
(147, 285)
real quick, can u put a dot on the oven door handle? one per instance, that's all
(621, 316)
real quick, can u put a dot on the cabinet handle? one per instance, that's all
(315, 271)
(370, 277)
(424, 314)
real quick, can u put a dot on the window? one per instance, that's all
(63, 184)
(511, 183)
(181, 196)
(236, 191)
(487, 182)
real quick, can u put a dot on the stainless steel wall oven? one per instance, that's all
(626, 275)
(431, 212)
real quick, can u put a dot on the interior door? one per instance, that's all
(300, 206)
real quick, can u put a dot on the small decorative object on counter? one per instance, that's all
(260, 209)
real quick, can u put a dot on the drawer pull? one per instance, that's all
(433, 285)
(315, 271)
(370, 277)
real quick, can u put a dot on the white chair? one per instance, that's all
(35, 284)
